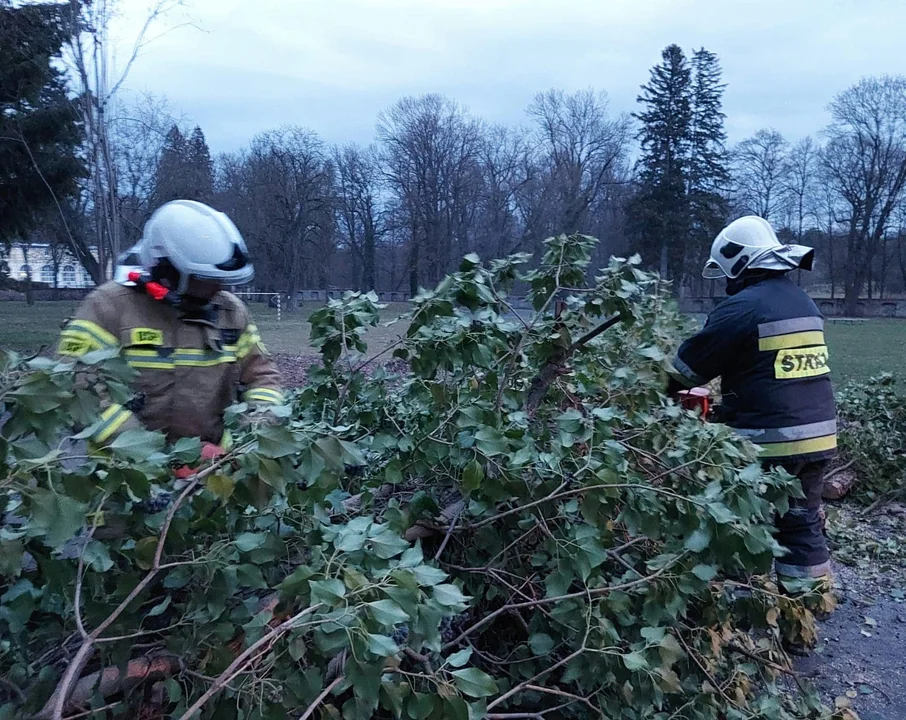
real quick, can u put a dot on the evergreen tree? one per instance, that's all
(170, 178)
(201, 168)
(709, 175)
(185, 170)
(40, 132)
(659, 215)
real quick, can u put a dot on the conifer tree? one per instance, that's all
(659, 215)
(709, 175)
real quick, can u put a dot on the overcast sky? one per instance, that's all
(332, 65)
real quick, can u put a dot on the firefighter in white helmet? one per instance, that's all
(766, 343)
(193, 345)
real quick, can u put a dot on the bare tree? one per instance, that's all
(280, 193)
(360, 216)
(505, 166)
(98, 82)
(760, 169)
(865, 161)
(429, 149)
(800, 185)
(584, 151)
(138, 134)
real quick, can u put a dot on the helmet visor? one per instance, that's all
(713, 271)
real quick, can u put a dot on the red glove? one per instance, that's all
(209, 451)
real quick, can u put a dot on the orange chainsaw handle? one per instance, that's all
(697, 399)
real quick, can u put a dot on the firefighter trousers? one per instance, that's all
(801, 530)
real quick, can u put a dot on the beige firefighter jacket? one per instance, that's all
(189, 372)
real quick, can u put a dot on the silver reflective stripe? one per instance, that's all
(803, 571)
(687, 372)
(782, 327)
(787, 434)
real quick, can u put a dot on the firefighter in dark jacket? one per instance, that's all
(766, 343)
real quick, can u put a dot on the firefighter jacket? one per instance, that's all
(189, 369)
(767, 345)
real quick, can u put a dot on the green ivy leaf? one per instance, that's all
(460, 658)
(472, 476)
(97, 556)
(246, 542)
(428, 576)
(329, 592)
(704, 572)
(276, 441)
(387, 612)
(541, 643)
(721, 513)
(635, 661)
(382, 645)
(387, 544)
(474, 682)
(221, 486)
(698, 540)
(138, 445)
(450, 596)
(187, 450)
(56, 517)
(393, 473)
(160, 608)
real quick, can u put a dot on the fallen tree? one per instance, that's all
(521, 526)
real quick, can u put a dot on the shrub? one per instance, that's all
(523, 525)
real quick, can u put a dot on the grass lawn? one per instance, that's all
(26, 329)
(857, 351)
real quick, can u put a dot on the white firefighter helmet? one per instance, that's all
(197, 241)
(750, 243)
(126, 263)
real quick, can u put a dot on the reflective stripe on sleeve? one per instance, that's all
(685, 373)
(248, 341)
(264, 395)
(112, 419)
(83, 336)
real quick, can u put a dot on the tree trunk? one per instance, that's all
(413, 270)
(368, 249)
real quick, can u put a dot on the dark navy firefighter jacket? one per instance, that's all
(767, 345)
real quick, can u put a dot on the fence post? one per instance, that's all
(279, 303)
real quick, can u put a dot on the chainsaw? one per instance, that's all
(699, 399)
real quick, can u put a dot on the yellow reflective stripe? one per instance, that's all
(76, 344)
(792, 340)
(113, 419)
(799, 447)
(181, 357)
(266, 395)
(103, 338)
(248, 341)
(147, 336)
(147, 359)
(193, 357)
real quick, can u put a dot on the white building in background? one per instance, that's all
(36, 262)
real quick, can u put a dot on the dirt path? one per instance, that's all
(862, 655)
